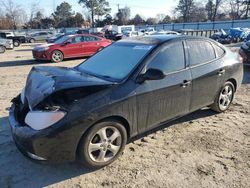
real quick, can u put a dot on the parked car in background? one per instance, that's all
(133, 33)
(54, 38)
(90, 111)
(40, 36)
(222, 37)
(5, 44)
(164, 32)
(99, 34)
(238, 34)
(17, 40)
(70, 46)
(113, 35)
(9, 34)
(83, 31)
(245, 52)
(148, 31)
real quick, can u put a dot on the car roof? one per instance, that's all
(158, 39)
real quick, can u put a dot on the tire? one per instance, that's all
(2, 49)
(105, 149)
(16, 43)
(224, 98)
(32, 40)
(57, 56)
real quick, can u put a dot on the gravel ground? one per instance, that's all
(203, 149)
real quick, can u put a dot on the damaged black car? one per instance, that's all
(91, 111)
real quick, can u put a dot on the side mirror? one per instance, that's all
(66, 43)
(151, 74)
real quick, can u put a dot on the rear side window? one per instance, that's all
(219, 51)
(200, 51)
(170, 58)
(90, 38)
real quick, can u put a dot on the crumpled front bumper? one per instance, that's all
(47, 145)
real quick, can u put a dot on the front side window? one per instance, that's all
(200, 51)
(76, 40)
(116, 61)
(169, 59)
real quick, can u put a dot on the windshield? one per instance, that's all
(62, 39)
(116, 61)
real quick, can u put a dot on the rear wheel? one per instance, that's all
(32, 40)
(2, 49)
(102, 144)
(16, 43)
(57, 56)
(224, 98)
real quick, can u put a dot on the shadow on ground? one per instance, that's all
(33, 62)
(21, 63)
(18, 171)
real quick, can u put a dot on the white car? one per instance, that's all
(5, 44)
(166, 33)
(133, 33)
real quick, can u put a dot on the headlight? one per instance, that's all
(39, 120)
(23, 95)
(42, 49)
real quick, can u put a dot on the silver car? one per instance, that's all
(5, 44)
(40, 36)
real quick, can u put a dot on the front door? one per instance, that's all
(74, 47)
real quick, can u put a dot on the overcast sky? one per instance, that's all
(146, 8)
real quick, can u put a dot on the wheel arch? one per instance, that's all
(118, 118)
(234, 82)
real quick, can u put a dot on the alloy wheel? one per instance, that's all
(57, 56)
(2, 49)
(105, 144)
(226, 97)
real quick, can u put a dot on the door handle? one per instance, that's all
(186, 83)
(221, 72)
(98, 44)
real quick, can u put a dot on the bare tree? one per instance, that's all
(212, 8)
(185, 8)
(13, 12)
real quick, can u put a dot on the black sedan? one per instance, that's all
(89, 112)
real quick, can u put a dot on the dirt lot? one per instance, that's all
(203, 149)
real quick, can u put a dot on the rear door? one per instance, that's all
(207, 72)
(161, 100)
(91, 45)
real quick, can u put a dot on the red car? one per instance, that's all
(70, 46)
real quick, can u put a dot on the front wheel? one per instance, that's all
(2, 49)
(102, 144)
(16, 43)
(32, 40)
(57, 56)
(224, 98)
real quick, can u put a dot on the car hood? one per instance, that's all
(43, 46)
(43, 81)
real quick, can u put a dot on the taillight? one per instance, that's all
(243, 56)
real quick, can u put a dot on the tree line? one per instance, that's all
(98, 14)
